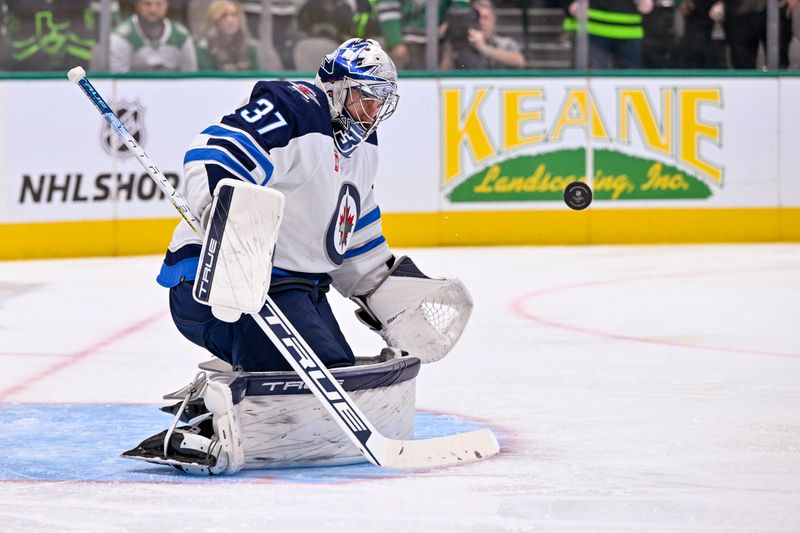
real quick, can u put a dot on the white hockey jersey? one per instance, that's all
(130, 49)
(283, 138)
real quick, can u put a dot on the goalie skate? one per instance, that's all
(188, 450)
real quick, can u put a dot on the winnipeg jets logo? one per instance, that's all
(346, 216)
(343, 223)
(131, 114)
(307, 94)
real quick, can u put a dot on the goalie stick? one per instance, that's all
(376, 448)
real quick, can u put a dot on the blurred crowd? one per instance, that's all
(277, 35)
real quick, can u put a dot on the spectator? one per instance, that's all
(615, 31)
(284, 30)
(480, 48)
(365, 20)
(793, 9)
(702, 44)
(745, 23)
(660, 42)
(322, 25)
(42, 35)
(403, 24)
(148, 40)
(225, 43)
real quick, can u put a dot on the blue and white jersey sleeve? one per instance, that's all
(222, 151)
(256, 142)
(364, 264)
(278, 138)
(229, 152)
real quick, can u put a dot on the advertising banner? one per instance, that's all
(652, 142)
(64, 163)
(789, 146)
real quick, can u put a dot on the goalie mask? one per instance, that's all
(361, 83)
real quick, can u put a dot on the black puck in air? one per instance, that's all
(577, 195)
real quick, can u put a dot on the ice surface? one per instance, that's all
(634, 389)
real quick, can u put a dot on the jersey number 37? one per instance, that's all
(258, 111)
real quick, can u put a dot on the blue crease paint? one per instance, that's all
(82, 442)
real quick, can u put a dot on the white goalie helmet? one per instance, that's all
(360, 80)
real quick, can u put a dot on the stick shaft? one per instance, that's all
(178, 201)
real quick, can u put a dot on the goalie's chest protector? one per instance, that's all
(321, 213)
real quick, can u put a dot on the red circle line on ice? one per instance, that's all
(71, 359)
(519, 305)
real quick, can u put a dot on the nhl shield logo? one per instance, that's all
(131, 114)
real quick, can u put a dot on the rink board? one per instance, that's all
(490, 228)
(464, 161)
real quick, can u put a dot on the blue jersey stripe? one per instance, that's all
(368, 219)
(223, 158)
(280, 275)
(185, 251)
(233, 149)
(377, 241)
(254, 151)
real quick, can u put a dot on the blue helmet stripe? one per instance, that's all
(338, 67)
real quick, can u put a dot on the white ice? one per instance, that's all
(635, 388)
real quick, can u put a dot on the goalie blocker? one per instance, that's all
(235, 268)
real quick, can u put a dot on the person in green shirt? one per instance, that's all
(615, 31)
(403, 24)
(40, 35)
(365, 20)
(148, 40)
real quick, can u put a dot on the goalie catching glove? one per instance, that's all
(414, 313)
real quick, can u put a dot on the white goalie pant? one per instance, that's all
(271, 419)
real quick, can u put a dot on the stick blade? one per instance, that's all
(451, 450)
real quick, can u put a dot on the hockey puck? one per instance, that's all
(577, 195)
